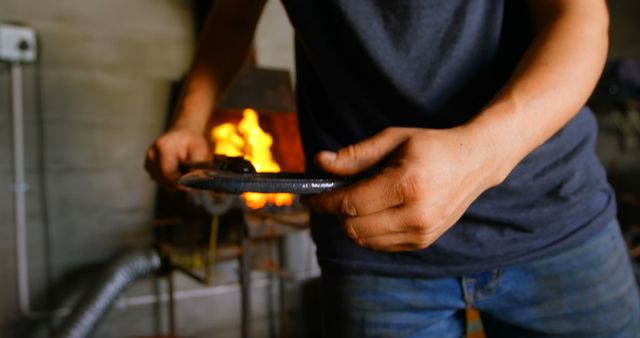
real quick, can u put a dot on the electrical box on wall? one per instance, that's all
(18, 43)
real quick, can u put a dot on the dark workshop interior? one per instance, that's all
(82, 226)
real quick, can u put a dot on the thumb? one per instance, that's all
(362, 155)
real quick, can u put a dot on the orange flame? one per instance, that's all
(247, 139)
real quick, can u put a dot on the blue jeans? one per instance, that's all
(587, 291)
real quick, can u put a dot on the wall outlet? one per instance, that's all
(17, 43)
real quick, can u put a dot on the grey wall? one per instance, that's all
(106, 67)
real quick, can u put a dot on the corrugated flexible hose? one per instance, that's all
(118, 275)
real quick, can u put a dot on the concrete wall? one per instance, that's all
(106, 70)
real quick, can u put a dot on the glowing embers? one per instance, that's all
(247, 139)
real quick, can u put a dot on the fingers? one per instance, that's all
(395, 229)
(168, 164)
(174, 147)
(153, 165)
(385, 190)
(405, 228)
(386, 222)
(360, 156)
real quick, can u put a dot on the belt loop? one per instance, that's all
(468, 289)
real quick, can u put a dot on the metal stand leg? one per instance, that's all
(172, 305)
(281, 288)
(245, 280)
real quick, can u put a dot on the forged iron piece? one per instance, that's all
(230, 182)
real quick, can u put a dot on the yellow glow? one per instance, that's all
(247, 139)
(227, 141)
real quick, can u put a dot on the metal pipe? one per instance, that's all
(20, 188)
(245, 280)
(282, 290)
(172, 305)
(19, 185)
(118, 275)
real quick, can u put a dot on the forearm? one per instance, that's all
(552, 82)
(222, 50)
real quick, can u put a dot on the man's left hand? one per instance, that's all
(429, 180)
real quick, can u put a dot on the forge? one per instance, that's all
(256, 122)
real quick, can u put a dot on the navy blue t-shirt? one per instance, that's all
(364, 65)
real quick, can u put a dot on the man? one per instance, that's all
(482, 186)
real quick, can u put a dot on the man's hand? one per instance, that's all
(431, 178)
(178, 145)
(229, 29)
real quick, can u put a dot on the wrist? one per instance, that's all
(193, 125)
(498, 143)
(193, 119)
(194, 107)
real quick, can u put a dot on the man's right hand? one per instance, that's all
(230, 27)
(178, 145)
